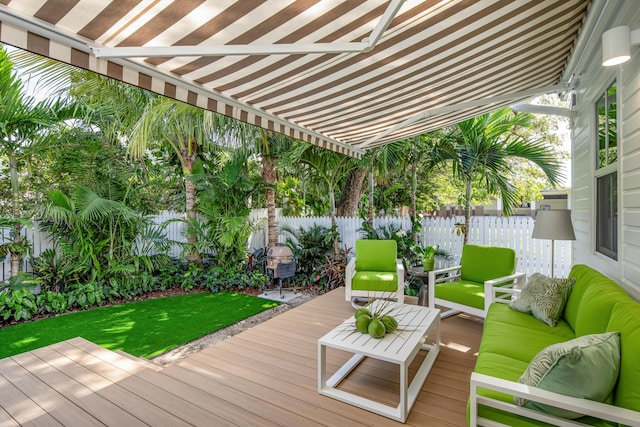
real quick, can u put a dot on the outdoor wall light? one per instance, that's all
(616, 45)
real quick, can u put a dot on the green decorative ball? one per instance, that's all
(362, 323)
(390, 324)
(376, 328)
(361, 311)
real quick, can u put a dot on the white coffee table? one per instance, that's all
(401, 347)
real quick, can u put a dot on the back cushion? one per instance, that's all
(584, 276)
(376, 255)
(625, 318)
(596, 306)
(482, 263)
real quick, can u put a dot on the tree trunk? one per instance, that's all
(372, 187)
(467, 212)
(334, 223)
(414, 186)
(352, 193)
(16, 211)
(15, 256)
(269, 177)
(193, 257)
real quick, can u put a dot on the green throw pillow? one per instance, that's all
(544, 297)
(586, 367)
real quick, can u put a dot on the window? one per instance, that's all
(607, 174)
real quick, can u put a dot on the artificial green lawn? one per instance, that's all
(143, 328)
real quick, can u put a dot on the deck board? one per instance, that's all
(265, 376)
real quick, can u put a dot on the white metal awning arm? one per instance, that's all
(365, 45)
(542, 109)
(463, 105)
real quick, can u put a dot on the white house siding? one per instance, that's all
(593, 79)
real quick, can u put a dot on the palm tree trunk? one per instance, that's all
(372, 187)
(269, 177)
(467, 211)
(414, 185)
(16, 211)
(334, 223)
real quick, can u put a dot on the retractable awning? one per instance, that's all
(345, 75)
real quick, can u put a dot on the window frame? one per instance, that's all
(609, 169)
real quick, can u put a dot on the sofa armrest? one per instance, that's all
(583, 406)
(491, 288)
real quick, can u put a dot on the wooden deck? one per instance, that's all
(265, 376)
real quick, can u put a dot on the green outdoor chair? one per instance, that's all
(468, 287)
(374, 272)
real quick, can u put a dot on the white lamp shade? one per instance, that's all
(616, 46)
(553, 225)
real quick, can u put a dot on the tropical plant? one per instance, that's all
(24, 124)
(330, 167)
(478, 150)
(188, 132)
(311, 247)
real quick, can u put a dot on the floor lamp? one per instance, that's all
(553, 225)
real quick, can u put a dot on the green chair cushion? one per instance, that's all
(544, 297)
(375, 281)
(376, 255)
(625, 318)
(462, 292)
(482, 263)
(586, 367)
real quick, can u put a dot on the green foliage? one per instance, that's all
(17, 305)
(334, 270)
(311, 248)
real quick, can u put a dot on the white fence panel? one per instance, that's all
(515, 232)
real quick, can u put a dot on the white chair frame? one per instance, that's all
(351, 294)
(453, 273)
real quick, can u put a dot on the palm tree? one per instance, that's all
(330, 167)
(24, 124)
(187, 131)
(271, 147)
(479, 150)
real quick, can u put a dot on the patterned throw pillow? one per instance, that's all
(586, 367)
(544, 297)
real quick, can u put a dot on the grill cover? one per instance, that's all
(280, 262)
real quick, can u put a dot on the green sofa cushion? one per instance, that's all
(625, 318)
(519, 336)
(596, 306)
(482, 263)
(375, 281)
(584, 276)
(376, 255)
(462, 292)
(586, 367)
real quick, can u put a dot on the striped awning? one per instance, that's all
(346, 75)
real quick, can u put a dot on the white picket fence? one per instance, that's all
(515, 232)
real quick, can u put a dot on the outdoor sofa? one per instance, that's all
(595, 304)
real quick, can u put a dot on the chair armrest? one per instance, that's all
(491, 289)
(582, 406)
(434, 273)
(349, 272)
(400, 272)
